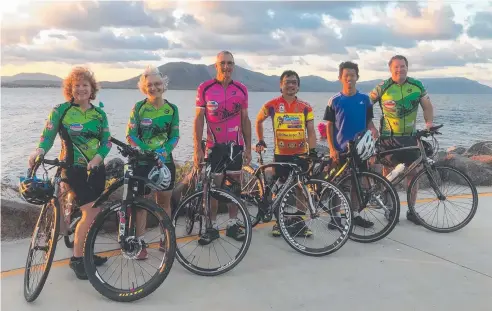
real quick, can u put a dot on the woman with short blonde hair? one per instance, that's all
(154, 125)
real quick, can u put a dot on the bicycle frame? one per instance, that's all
(423, 159)
(295, 172)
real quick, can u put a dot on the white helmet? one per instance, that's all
(160, 178)
(366, 146)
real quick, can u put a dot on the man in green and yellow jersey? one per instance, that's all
(399, 98)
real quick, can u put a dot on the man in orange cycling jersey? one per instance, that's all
(291, 118)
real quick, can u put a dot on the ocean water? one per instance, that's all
(467, 119)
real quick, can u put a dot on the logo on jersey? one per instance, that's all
(233, 129)
(390, 105)
(49, 125)
(409, 91)
(76, 127)
(146, 122)
(212, 105)
(233, 92)
(281, 108)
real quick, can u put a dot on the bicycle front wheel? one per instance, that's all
(130, 274)
(220, 251)
(454, 210)
(310, 233)
(44, 240)
(378, 213)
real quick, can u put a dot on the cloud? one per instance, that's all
(82, 15)
(481, 26)
(66, 55)
(183, 55)
(426, 56)
(108, 39)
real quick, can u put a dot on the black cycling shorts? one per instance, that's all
(86, 188)
(144, 170)
(283, 171)
(397, 157)
(218, 157)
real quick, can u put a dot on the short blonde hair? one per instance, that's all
(79, 73)
(149, 71)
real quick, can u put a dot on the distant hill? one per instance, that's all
(186, 76)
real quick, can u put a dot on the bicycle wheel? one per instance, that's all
(163, 244)
(380, 206)
(251, 194)
(299, 226)
(44, 238)
(455, 179)
(197, 262)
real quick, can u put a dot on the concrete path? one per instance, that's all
(412, 269)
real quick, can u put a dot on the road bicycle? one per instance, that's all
(271, 197)
(194, 217)
(372, 196)
(439, 183)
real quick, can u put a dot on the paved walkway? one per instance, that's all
(412, 269)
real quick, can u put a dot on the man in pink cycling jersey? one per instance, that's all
(223, 103)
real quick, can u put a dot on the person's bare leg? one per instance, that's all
(88, 215)
(236, 175)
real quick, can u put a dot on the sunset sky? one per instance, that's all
(117, 39)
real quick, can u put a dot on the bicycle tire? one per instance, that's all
(157, 279)
(247, 228)
(28, 295)
(255, 220)
(339, 242)
(392, 223)
(473, 191)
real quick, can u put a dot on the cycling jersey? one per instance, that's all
(399, 105)
(83, 133)
(222, 110)
(350, 115)
(289, 124)
(151, 128)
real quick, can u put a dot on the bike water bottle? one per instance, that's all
(395, 172)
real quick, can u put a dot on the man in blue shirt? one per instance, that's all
(348, 113)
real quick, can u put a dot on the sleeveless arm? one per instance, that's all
(50, 130)
(132, 131)
(173, 138)
(104, 143)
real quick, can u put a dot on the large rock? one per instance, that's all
(480, 173)
(457, 150)
(481, 148)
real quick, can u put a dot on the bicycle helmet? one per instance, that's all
(160, 178)
(36, 191)
(365, 145)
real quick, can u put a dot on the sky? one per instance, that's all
(117, 39)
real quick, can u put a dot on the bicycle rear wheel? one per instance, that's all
(459, 187)
(380, 206)
(143, 283)
(44, 238)
(205, 259)
(252, 193)
(309, 233)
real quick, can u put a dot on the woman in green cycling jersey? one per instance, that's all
(84, 134)
(154, 125)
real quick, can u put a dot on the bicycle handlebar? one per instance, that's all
(131, 152)
(429, 132)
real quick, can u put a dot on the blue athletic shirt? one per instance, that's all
(350, 116)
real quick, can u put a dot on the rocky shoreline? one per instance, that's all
(19, 218)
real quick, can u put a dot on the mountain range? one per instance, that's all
(186, 76)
